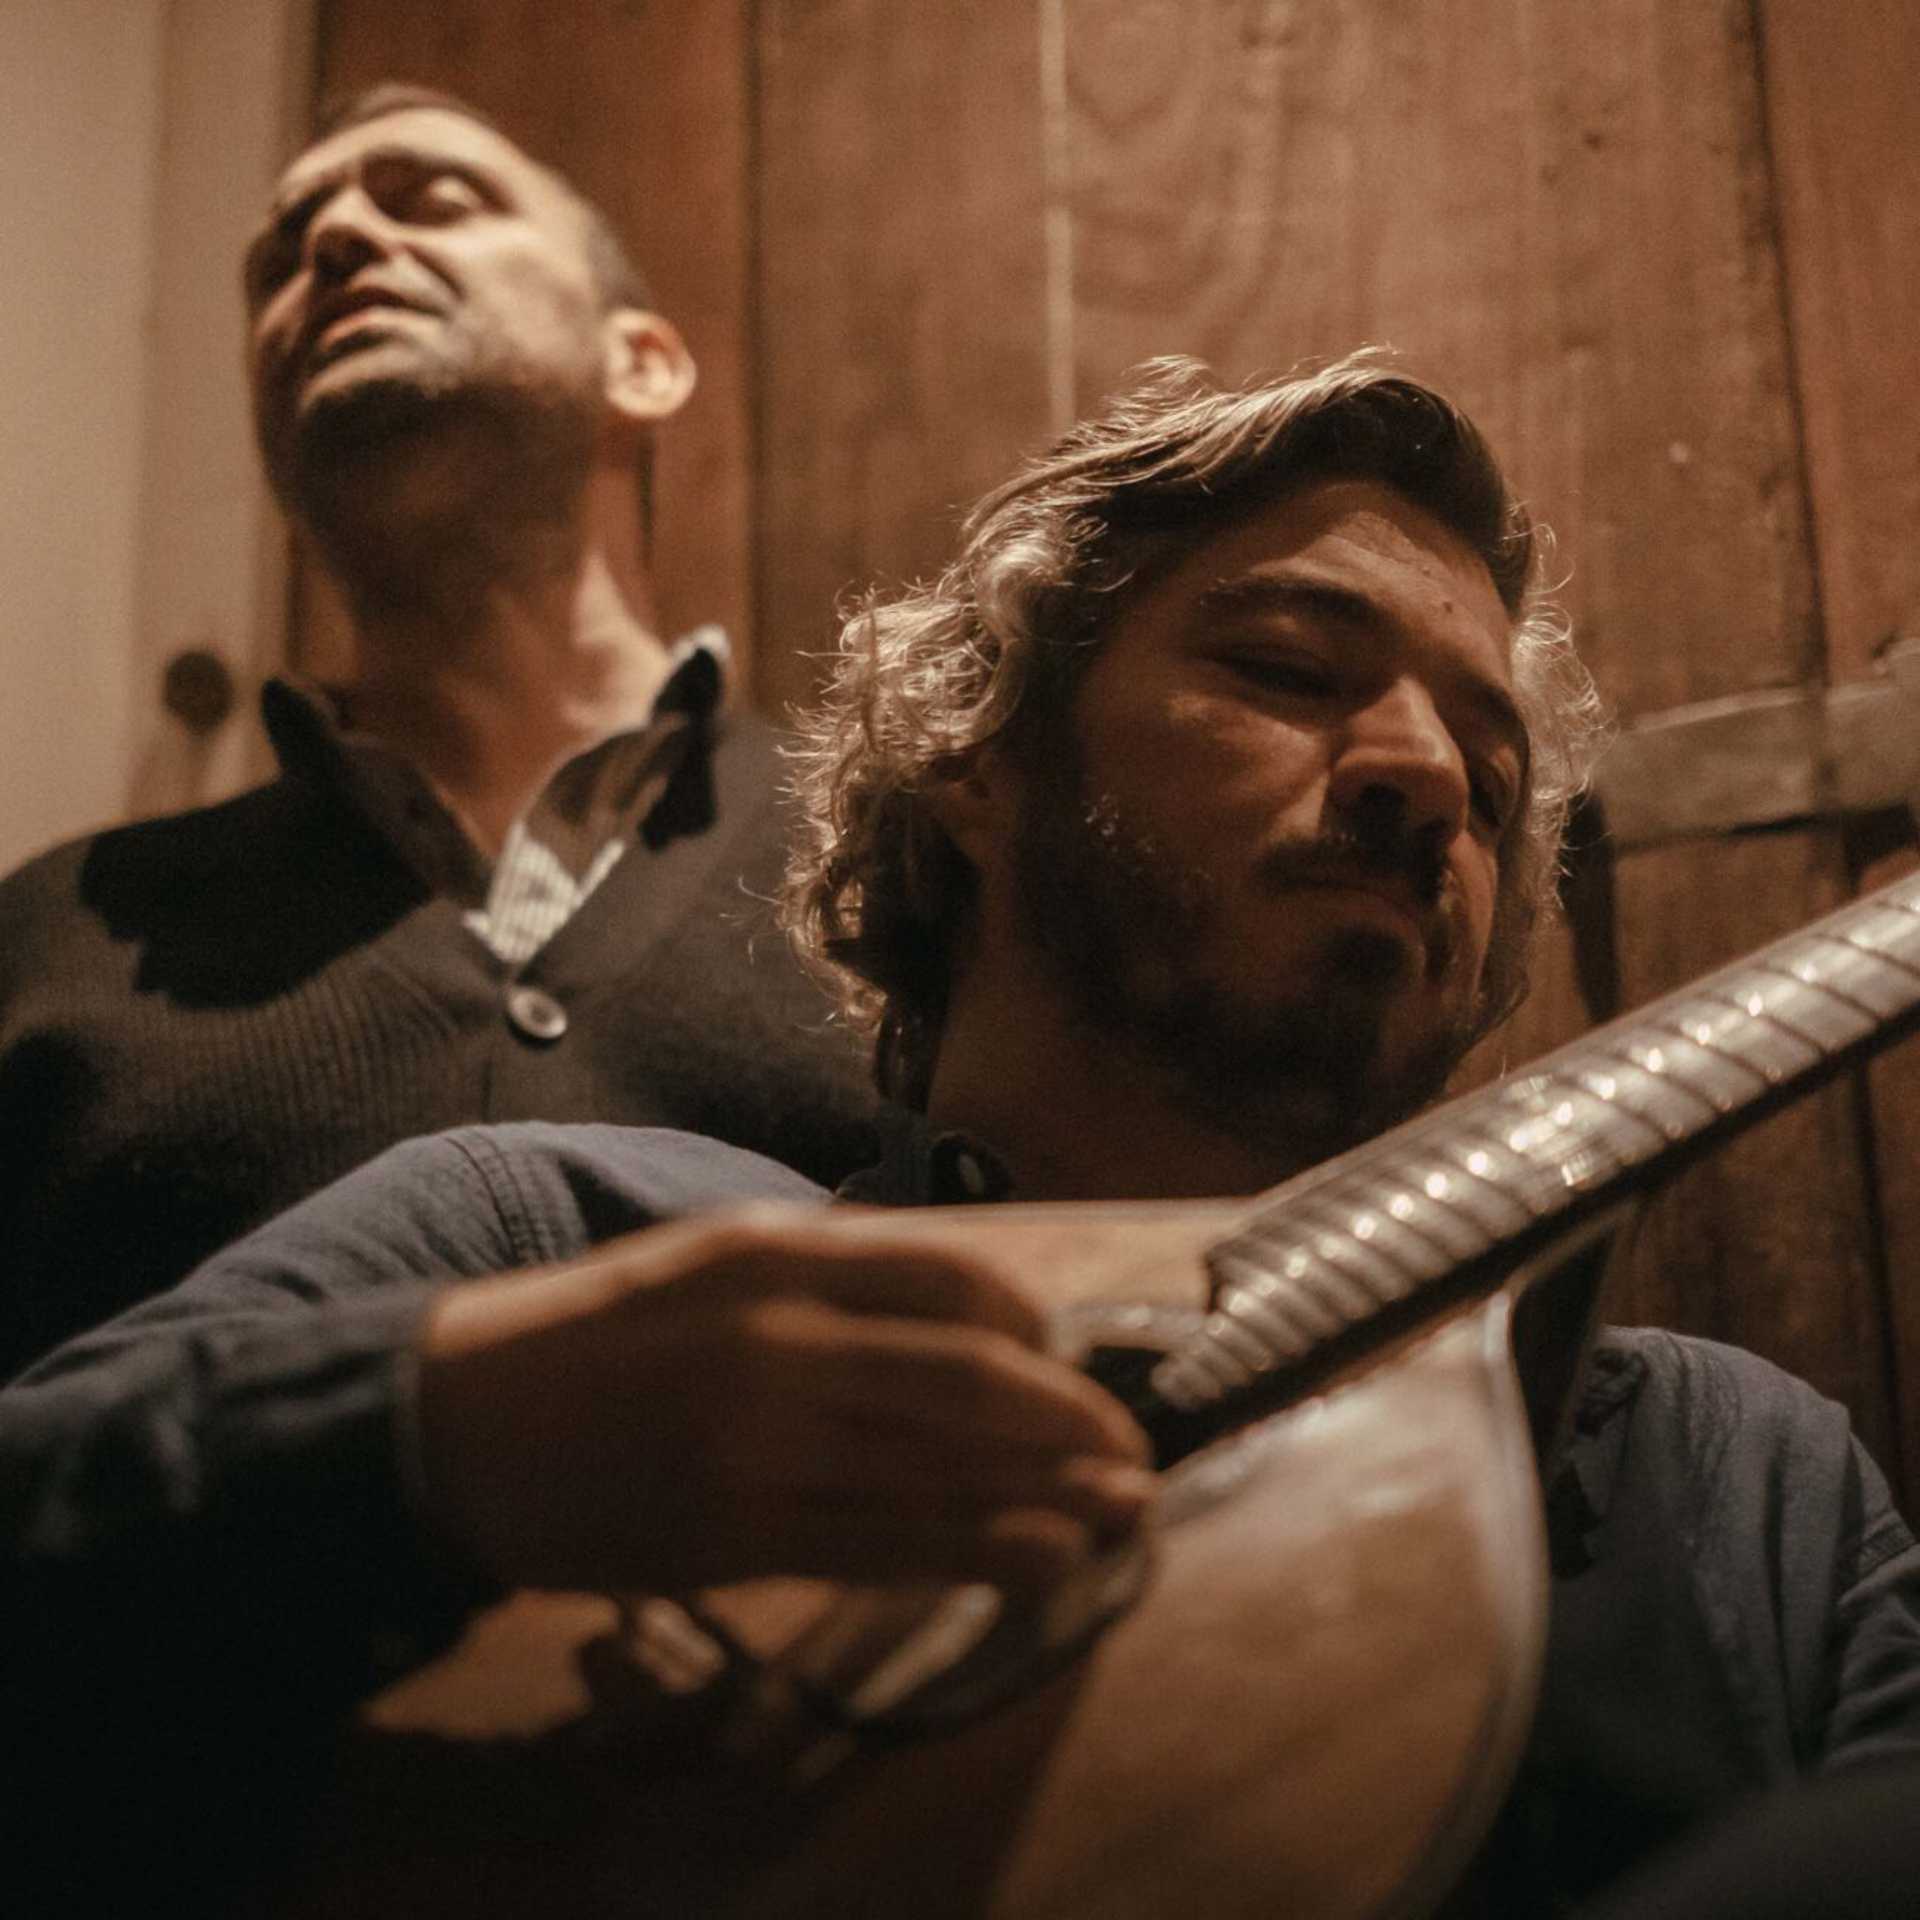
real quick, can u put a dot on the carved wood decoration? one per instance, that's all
(1668, 255)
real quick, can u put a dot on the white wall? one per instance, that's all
(79, 144)
(138, 139)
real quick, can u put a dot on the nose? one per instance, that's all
(346, 232)
(1398, 760)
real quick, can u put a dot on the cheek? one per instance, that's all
(1200, 750)
(270, 333)
(528, 292)
(1479, 888)
(267, 350)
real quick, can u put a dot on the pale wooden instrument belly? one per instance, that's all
(1312, 1709)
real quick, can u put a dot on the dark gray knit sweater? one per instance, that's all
(205, 1018)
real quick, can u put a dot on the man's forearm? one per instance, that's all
(220, 1496)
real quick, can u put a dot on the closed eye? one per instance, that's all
(405, 186)
(269, 265)
(1297, 674)
(436, 199)
(1495, 797)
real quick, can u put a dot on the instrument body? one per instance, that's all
(1312, 1705)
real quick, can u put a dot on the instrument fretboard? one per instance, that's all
(1488, 1174)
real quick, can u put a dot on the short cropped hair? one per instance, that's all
(619, 281)
(993, 649)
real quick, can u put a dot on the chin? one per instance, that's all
(373, 372)
(368, 410)
(1355, 978)
(1366, 1051)
(1376, 959)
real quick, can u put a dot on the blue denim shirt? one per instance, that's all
(213, 1542)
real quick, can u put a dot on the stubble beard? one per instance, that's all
(394, 472)
(1119, 919)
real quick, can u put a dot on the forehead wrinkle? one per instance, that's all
(1267, 591)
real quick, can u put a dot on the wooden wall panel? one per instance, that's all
(646, 109)
(902, 292)
(1566, 220)
(1847, 166)
(960, 225)
(1847, 162)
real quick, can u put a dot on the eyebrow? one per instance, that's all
(1268, 593)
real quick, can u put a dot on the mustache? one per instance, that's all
(1413, 861)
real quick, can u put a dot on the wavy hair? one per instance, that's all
(876, 894)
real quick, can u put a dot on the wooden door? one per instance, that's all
(1668, 255)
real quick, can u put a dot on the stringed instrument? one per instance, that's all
(1303, 1696)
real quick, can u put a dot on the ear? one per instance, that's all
(649, 372)
(979, 806)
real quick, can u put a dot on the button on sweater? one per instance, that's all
(204, 1018)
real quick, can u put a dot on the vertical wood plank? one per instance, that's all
(645, 107)
(1847, 166)
(901, 182)
(1565, 217)
(1847, 161)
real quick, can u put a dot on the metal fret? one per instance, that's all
(1252, 1349)
(1506, 1160)
(1644, 1087)
(1446, 1209)
(1865, 982)
(1329, 1289)
(1889, 934)
(1273, 1303)
(1469, 1176)
(1588, 1143)
(1798, 1015)
(1648, 1099)
(1419, 1212)
(1626, 1091)
(1573, 1115)
(1384, 1257)
(1350, 1248)
(1276, 1310)
(1721, 1083)
(1726, 1026)
(1383, 1221)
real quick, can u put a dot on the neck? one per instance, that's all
(489, 654)
(1080, 1115)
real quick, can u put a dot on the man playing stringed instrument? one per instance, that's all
(1183, 834)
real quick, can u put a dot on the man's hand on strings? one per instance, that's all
(767, 1392)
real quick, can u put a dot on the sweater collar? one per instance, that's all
(653, 780)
